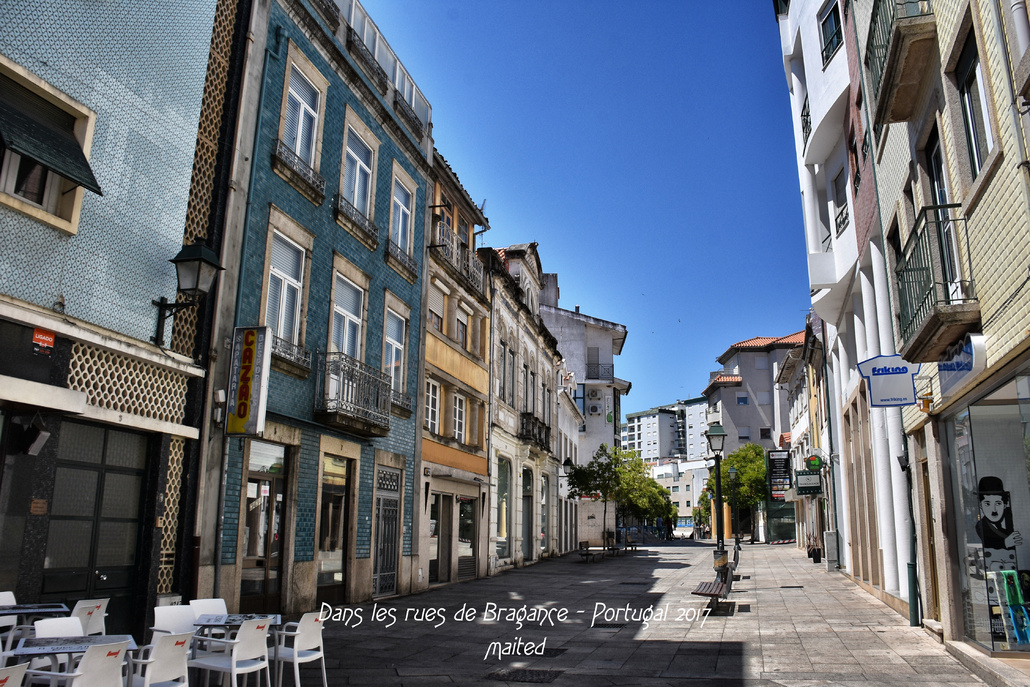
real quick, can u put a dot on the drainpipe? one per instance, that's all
(915, 596)
(220, 526)
(829, 436)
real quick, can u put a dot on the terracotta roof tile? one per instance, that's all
(763, 341)
(785, 440)
(727, 379)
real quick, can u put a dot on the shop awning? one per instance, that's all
(38, 129)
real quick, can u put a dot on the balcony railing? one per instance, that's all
(882, 56)
(368, 61)
(401, 256)
(344, 209)
(299, 168)
(402, 400)
(931, 290)
(596, 371)
(352, 395)
(841, 221)
(806, 121)
(290, 352)
(457, 253)
(407, 113)
(532, 428)
(329, 11)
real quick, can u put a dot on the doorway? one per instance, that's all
(260, 583)
(440, 538)
(527, 515)
(387, 523)
(467, 533)
(92, 546)
(333, 530)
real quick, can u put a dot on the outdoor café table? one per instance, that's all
(210, 621)
(36, 647)
(26, 611)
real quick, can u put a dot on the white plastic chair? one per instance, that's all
(174, 619)
(298, 643)
(247, 653)
(7, 622)
(100, 666)
(163, 662)
(208, 606)
(13, 675)
(92, 613)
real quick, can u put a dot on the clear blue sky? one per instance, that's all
(646, 146)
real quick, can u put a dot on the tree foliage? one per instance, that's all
(623, 478)
(751, 487)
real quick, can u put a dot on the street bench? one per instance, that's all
(721, 587)
(613, 550)
(586, 554)
(632, 546)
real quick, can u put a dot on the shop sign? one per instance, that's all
(961, 363)
(779, 475)
(891, 380)
(808, 482)
(42, 342)
(248, 381)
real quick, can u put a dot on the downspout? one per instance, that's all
(829, 436)
(220, 526)
(915, 596)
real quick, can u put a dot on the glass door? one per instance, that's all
(467, 538)
(333, 529)
(263, 532)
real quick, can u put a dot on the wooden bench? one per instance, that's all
(721, 587)
(586, 554)
(631, 546)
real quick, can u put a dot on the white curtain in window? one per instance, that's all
(301, 116)
(401, 215)
(347, 317)
(358, 173)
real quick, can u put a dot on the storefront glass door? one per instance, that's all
(263, 531)
(333, 527)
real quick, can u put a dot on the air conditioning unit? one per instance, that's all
(594, 393)
(594, 409)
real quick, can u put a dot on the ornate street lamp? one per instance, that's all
(716, 436)
(196, 267)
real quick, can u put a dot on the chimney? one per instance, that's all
(577, 308)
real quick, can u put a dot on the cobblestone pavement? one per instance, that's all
(793, 623)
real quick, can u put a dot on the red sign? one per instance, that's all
(42, 341)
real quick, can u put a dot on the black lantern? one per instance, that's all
(196, 268)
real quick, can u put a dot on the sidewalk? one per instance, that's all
(794, 624)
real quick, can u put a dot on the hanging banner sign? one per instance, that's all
(808, 482)
(891, 380)
(248, 381)
(961, 363)
(779, 474)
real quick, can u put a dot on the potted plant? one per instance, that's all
(815, 551)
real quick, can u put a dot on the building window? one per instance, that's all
(765, 433)
(764, 398)
(461, 331)
(400, 224)
(504, 507)
(285, 279)
(532, 392)
(393, 360)
(743, 433)
(459, 418)
(357, 175)
(436, 308)
(504, 371)
(741, 398)
(44, 136)
(830, 28)
(526, 391)
(301, 123)
(432, 406)
(511, 377)
(347, 310)
(675, 489)
(975, 115)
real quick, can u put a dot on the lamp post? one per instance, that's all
(736, 513)
(196, 267)
(716, 436)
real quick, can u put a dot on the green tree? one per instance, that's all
(752, 486)
(600, 478)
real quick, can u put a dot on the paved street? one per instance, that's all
(794, 624)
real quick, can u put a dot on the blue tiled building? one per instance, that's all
(324, 247)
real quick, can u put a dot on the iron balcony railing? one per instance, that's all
(596, 371)
(928, 272)
(881, 26)
(351, 388)
(298, 355)
(329, 11)
(345, 209)
(841, 221)
(301, 168)
(858, 179)
(459, 255)
(368, 60)
(402, 400)
(401, 256)
(806, 121)
(408, 115)
(532, 428)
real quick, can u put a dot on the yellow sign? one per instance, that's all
(248, 381)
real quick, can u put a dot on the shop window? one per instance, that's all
(504, 506)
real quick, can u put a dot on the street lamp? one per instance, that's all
(736, 514)
(196, 267)
(716, 436)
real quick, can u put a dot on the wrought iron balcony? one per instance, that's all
(533, 429)
(400, 257)
(936, 306)
(291, 353)
(402, 401)
(842, 219)
(595, 371)
(459, 256)
(350, 215)
(408, 115)
(352, 396)
(806, 121)
(368, 61)
(329, 11)
(297, 170)
(901, 45)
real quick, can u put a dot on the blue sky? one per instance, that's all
(646, 146)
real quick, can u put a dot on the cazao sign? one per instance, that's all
(891, 380)
(248, 381)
